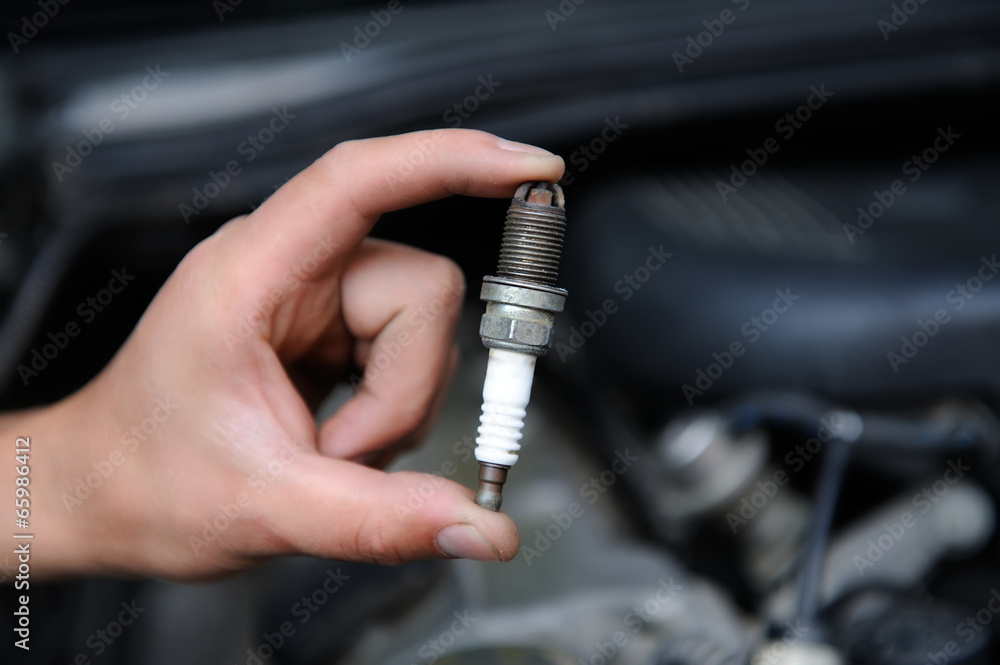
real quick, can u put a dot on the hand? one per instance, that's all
(203, 416)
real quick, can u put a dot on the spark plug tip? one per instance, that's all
(491, 480)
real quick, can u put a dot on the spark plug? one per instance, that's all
(521, 303)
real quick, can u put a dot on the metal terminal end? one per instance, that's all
(491, 480)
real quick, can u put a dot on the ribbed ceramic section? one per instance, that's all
(499, 433)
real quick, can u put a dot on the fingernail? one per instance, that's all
(523, 147)
(463, 541)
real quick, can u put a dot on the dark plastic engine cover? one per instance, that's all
(861, 318)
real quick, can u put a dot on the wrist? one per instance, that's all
(58, 441)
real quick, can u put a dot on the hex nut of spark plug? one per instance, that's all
(519, 317)
(515, 334)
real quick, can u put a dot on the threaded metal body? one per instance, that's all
(532, 242)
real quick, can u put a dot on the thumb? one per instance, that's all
(336, 509)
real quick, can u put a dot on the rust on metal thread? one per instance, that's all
(533, 234)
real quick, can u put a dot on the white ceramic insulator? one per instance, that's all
(505, 396)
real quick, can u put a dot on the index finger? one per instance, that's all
(343, 193)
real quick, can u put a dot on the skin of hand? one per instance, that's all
(202, 421)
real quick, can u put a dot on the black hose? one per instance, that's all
(835, 458)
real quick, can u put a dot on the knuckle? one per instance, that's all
(372, 545)
(334, 159)
(445, 276)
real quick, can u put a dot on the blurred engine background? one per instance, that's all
(768, 427)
